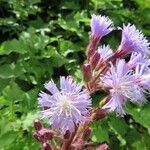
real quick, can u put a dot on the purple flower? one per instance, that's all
(115, 103)
(143, 73)
(119, 81)
(133, 40)
(101, 26)
(137, 58)
(105, 52)
(65, 108)
(142, 78)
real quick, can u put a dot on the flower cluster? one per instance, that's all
(123, 79)
(68, 109)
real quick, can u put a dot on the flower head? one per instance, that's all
(119, 80)
(100, 26)
(136, 59)
(142, 77)
(133, 40)
(65, 108)
(105, 52)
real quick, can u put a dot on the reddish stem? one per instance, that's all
(66, 145)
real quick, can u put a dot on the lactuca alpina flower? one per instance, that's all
(121, 86)
(142, 73)
(100, 26)
(138, 58)
(142, 79)
(65, 108)
(133, 40)
(105, 52)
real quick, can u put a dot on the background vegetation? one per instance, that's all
(43, 39)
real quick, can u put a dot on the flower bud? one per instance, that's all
(46, 134)
(36, 136)
(46, 146)
(87, 73)
(37, 125)
(94, 60)
(102, 147)
(86, 134)
(99, 114)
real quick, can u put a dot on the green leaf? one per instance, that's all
(70, 5)
(27, 121)
(67, 47)
(13, 92)
(7, 71)
(140, 114)
(7, 139)
(3, 83)
(119, 127)
(12, 46)
(100, 131)
(11, 70)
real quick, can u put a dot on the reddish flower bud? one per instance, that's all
(37, 125)
(99, 114)
(46, 134)
(87, 73)
(94, 60)
(46, 146)
(86, 134)
(102, 147)
(36, 136)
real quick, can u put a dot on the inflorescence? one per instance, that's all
(69, 109)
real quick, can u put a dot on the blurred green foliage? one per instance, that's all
(40, 40)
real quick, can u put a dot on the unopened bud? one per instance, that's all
(87, 73)
(99, 114)
(46, 134)
(102, 147)
(36, 136)
(37, 125)
(94, 60)
(86, 134)
(46, 146)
